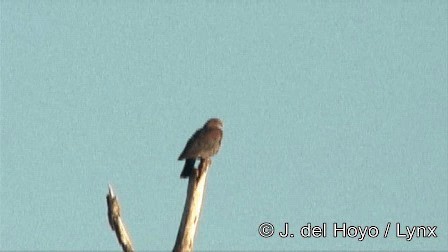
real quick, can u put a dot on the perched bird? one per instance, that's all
(204, 143)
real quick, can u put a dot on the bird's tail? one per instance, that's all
(188, 168)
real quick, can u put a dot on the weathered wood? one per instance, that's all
(116, 223)
(192, 208)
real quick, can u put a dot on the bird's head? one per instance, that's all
(214, 123)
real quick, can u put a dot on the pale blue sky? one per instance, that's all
(334, 111)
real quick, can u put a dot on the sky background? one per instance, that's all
(333, 111)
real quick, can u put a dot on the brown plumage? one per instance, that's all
(204, 143)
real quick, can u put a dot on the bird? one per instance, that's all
(204, 143)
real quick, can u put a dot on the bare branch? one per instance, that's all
(116, 223)
(192, 209)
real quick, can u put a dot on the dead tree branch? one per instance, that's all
(116, 223)
(192, 209)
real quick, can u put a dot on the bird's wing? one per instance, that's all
(192, 147)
